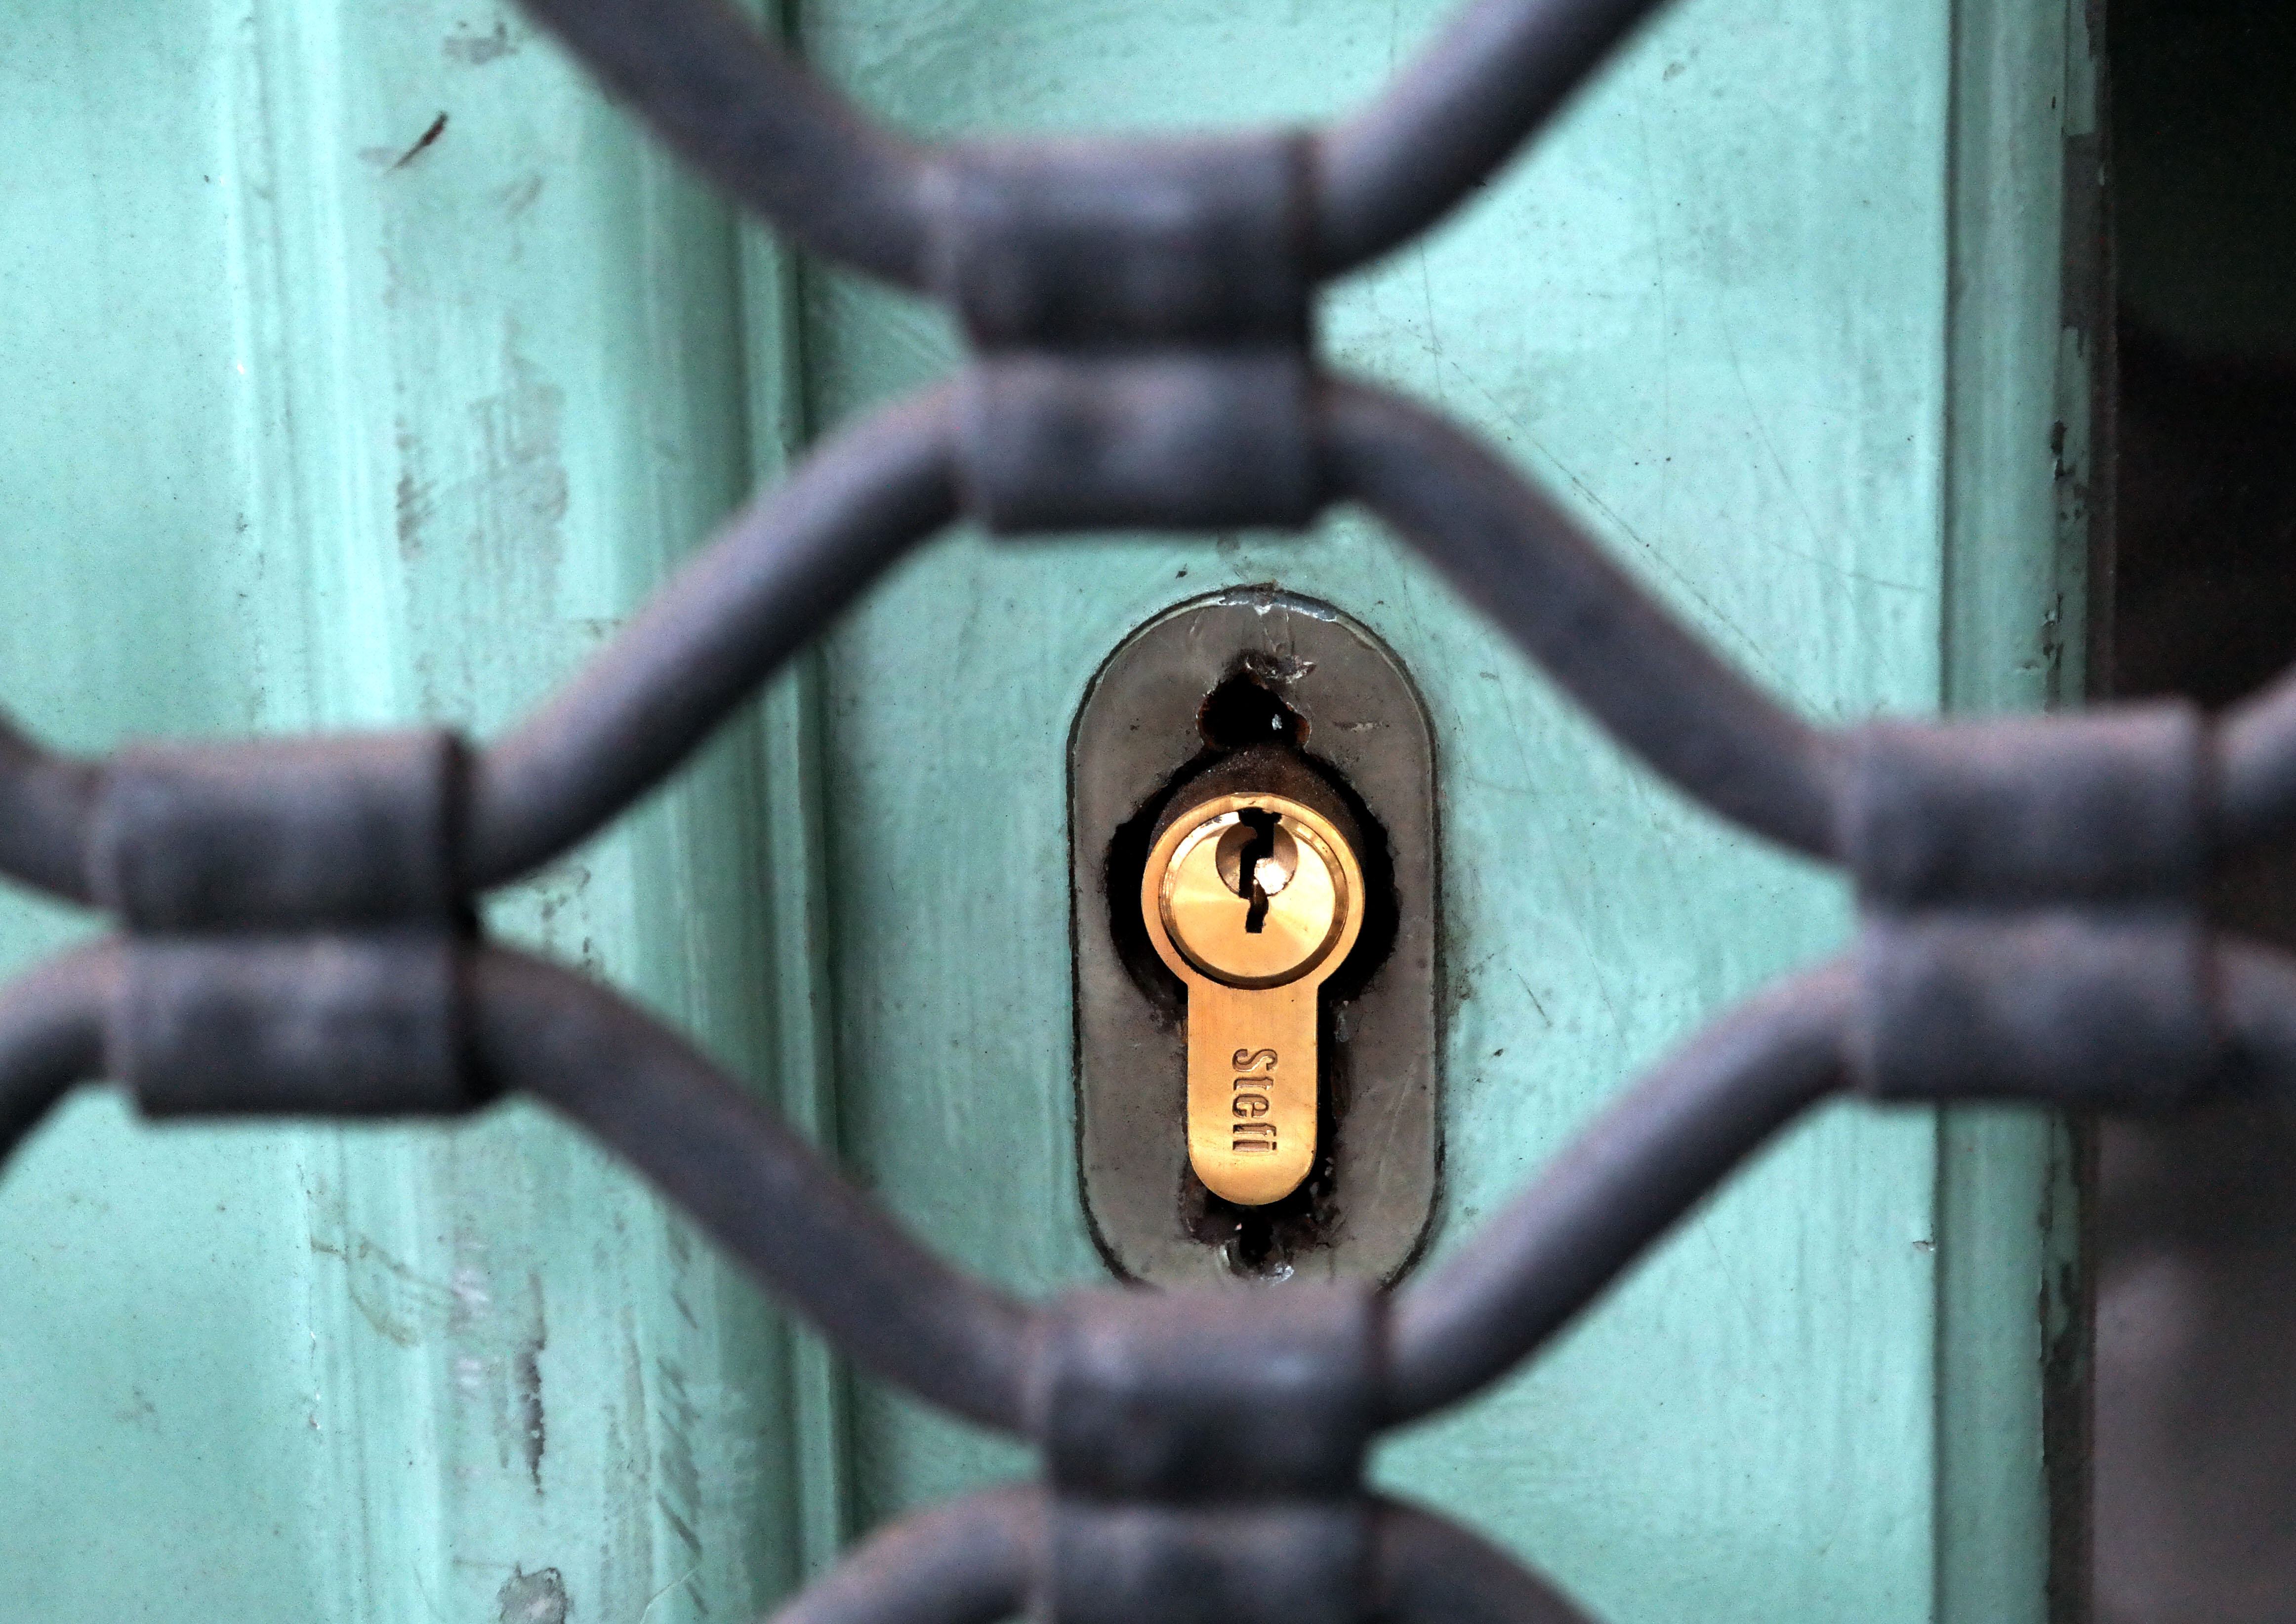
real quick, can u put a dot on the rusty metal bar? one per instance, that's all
(52, 1022)
(1512, 552)
(726, 622)
(968, 1561)
(301, 929)
(749, 1180)
(1623, 1182)
(1497, 73)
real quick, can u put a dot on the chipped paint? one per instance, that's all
(533, 1598)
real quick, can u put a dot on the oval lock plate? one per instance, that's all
(1147, 741)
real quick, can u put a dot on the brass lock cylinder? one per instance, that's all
(1254, 898)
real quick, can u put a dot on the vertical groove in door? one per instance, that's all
(796, 871)
(2013, 638)
(490, 397)
(820, 1436)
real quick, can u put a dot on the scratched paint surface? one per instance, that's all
(1713, 313)
(369, 368)
(316, 421)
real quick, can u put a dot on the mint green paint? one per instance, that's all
(1716, 310)
(307, 437)
(303, 436)
(2007, 1200)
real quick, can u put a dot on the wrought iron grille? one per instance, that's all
(296, 933)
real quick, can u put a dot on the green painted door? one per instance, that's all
(367, 364)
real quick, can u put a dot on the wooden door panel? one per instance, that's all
(316, 425)
(1680, 315)
(332, 413)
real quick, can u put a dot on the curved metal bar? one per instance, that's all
(771, 135)
(1430, 1571)
(1654, 686)
(45, 803)
(1495, 74)
(2256, 991)
(52, 1035)
(1620, 1186)
(968, 1561)
(778, 138)
(2256, 766)
(751, 1182)
(762, 590)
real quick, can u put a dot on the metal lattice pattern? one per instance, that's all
(297, 931)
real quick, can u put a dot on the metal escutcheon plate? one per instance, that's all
(1137, 744)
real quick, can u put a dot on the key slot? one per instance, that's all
(1256, 676)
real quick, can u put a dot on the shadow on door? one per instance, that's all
(2195, 1425)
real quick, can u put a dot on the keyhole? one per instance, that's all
(1261, 845)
